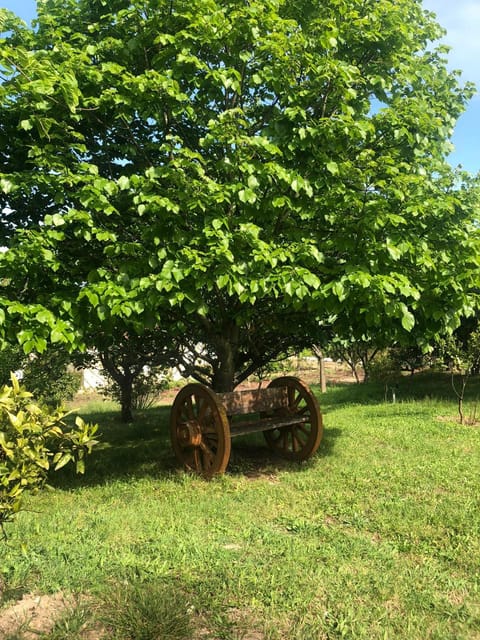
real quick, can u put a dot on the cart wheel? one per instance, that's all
(200, 431)
(297, 441)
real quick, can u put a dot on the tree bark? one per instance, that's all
(223, 379)
(126, 398)
(321, 364)
(124, 379)
(224, 374)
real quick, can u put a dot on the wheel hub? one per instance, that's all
(189, 434)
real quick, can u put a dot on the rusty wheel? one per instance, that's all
(300, 440)
(200, 431)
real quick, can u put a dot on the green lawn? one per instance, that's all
(377, 537)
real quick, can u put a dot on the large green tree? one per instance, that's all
(245, 175)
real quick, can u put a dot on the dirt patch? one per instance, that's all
(32, 615)
(35, 615)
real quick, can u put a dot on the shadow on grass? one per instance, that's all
(136, 450)
(143, 449)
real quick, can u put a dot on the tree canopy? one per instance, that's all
(244, 175)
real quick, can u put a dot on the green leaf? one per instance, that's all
(26, 125)
(61, 460)
(408, 319)
(311, 279)
(238, 287)
(57, 335)
(393, 250)
(123, 183)
(57, 220)
(70, 90)
(247, 195)
(222, 280)
(339, 291)
(332, 167)
(6, 185)
(44, 316)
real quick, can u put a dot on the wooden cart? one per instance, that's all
(202, 422)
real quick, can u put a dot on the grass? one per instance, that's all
(377, 537)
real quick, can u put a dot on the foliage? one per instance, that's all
(384, 368)
(50, 377)
(274, 368)
(247, 176)
(413, 358)
(135, 366)
(390, 362)
(12, 359)
(33, 441)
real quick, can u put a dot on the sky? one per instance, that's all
(461, 19)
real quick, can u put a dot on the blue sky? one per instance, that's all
(461, 18)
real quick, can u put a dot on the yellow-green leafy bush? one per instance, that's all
(34, 440)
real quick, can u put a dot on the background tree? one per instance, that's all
(357, 354)
(240, 174)
(462, 357)
(135, 366)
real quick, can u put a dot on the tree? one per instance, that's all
(124, 358)
(247, 175)
(357, 354)
(462, 353)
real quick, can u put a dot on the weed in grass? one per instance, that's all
(76, 622)
(147, 611)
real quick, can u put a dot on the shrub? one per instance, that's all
(49, 377)
(34, 440)
(146, 387)
(12, 358)
(385, 368)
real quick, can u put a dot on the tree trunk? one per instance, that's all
(224, 375)
(124, 379)
(323, 377)
(321, 364)
(223, 379)
(126, 398)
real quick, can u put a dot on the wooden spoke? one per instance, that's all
(200, 431)
(297, 441)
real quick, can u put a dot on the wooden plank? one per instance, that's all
(253, 400)
(244, 428)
